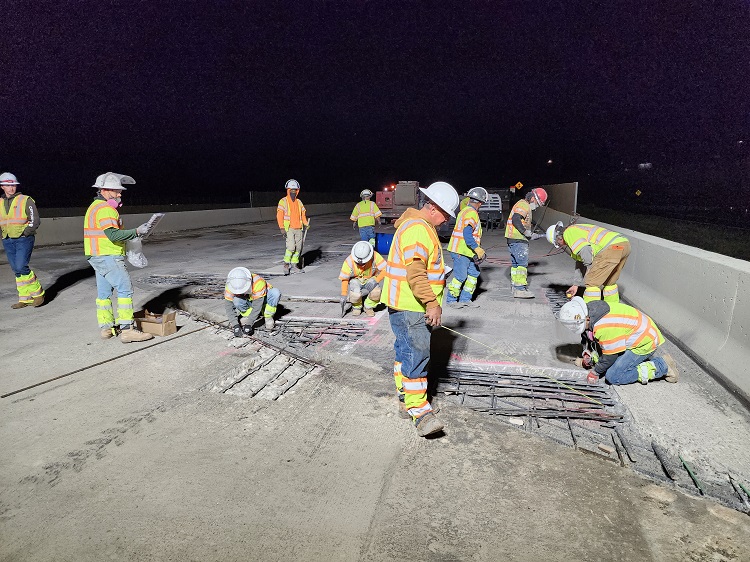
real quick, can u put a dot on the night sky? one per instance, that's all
(223, 97)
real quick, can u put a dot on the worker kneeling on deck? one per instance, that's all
(465, 250)
(628, 339)
(603, 252)
(246, 295)
(361, 277)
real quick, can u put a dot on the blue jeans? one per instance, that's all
(19, 251)
(519, 258)
(625, 371)
(412, 344)
(366, 233)
(463, 266)
(273, 295)
(112, 274)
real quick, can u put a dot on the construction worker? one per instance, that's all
(603, 252)
(518, 232)
(465, 250)
(361, 276)
(628, 339)
(366, 213)
(413, 292)
(246, 295)
(104, 245)
(19, 220)
(291, 217)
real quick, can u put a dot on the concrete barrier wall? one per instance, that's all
(65, 230)
(701, 298)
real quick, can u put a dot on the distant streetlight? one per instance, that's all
(549, 162)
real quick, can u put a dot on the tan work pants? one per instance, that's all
(607, 265)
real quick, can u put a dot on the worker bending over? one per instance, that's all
(19, 220)
(361, 276)
(413, 291)
(104, 245)
(627, 337)
(366, 213)
(291, 218)
(246, 295)
(517, 234)
(465, 250)
(603, 252)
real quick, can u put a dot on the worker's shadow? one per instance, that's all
(171, 298)
(442, 348)
(67, 280)
(569, 352)
(309, 257)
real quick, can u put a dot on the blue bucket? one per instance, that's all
(383, 243)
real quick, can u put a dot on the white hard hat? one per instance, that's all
(443, 195)
(113, 181)
(362, 252)
(291, 184)
(6, 178)
(573, 315)
(239, 280)
(553, 232)
(365, 192)
(478, 194)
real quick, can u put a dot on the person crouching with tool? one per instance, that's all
(245, 296)
(361, 277)
(628, 339)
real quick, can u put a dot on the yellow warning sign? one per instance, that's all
(638, 192)
(519, 185)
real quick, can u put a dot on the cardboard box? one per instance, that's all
(157, 324)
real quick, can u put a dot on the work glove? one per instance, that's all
(536, 235)
(142, 230)
(237, 331)
(592, 377)
(247, 330)
(282, 231)
(480, 253)
(527, 233)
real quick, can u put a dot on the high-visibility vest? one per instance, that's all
(577, 236)
(258, 288)
(522, 208)
(365, 213)
(99, 216)
(625, 327)
(293, 213)
(415, 238)
(350, 269)
(467, 217)
(14, 221)
(463, 203)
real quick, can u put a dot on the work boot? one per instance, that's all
(248, 330)
(107, 333)
(38, 301)
(270, 324)
(522, 294)
(132, 334)
(356, 311)
(286, 268)
(429, 424)
(20, 304)
(370, 312)
(672, 373)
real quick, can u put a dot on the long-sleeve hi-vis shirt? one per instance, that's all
(350, 270)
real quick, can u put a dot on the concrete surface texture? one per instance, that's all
(138, 457)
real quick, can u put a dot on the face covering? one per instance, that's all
(533, 206)
(115, 203)
(293, 195)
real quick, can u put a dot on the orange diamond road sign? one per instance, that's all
(519, 185)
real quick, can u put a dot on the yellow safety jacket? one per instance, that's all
(625, 327)
(577, 236)
(365, 213)
(467, 217)
(415, 238)
(258, 288)
(522, 208)
(463, 203)
(99, 216)
(15, 220)
(350, 270)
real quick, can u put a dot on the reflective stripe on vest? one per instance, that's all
(365, 213)
(467, 217)
(415, 238)
(350, 269)
(14, 222)
(100, 216)
(259, 288)
(579, 235)
(625, 327)
(523, 209)
(284, 207)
